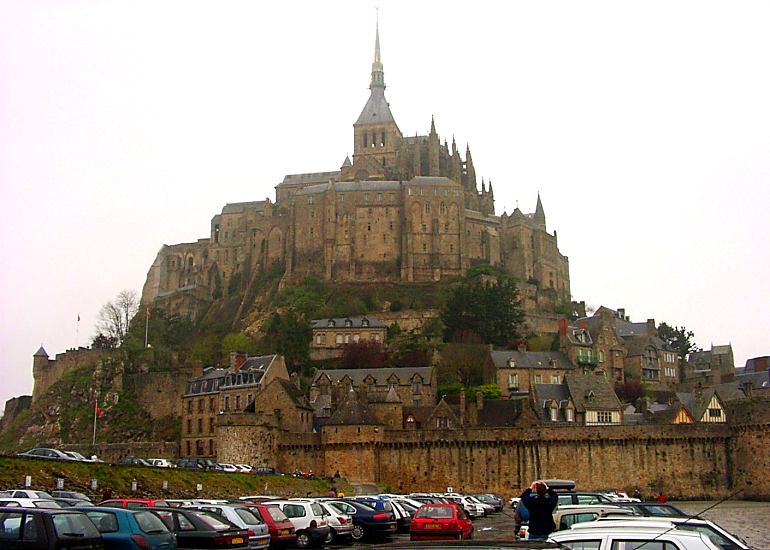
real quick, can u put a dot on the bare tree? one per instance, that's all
(115, 315)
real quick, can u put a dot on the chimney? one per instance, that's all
(479, 400)
(643, 405)
(562, 328)
(622, 313)
(294, 377)
(462, 406)
(651, 330)
(522, 346)
(698, 394)
(237, 359)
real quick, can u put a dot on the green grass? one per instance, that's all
(182, 483)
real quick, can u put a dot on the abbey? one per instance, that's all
(405, 209)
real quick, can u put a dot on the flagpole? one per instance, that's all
(96, 407)
(77, 332)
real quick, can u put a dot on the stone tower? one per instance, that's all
(376, 136)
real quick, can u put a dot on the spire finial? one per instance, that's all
(378, 74)
(432, 125)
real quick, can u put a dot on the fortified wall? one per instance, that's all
(46, 372)
(685, 461)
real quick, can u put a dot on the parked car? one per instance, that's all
(77, 456)
(245, 468)
(130, 529)
(383, 504)
(29, 503)
(281, 529)
(43, 452)
(441, 521)
(367, 522)
(723, 539)
(565, 517)
(25, 493)
(584, 498)
(229, 468)
(160, 462)
(473, 509)
(265, 471)
(71, 502)
(195, 463)
(133, 503)
(308, 518)
(340, 524)
(70, 494)
(195, 530)
(38, 529)
(259, 535)
(655, 509)
(494, 501)
(615, 538)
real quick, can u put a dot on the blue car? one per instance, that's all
(130, 529)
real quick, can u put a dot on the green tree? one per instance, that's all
(489, 391)
(306, 298)
(679, 339)
(490, 309)
(289, 335)
(237, 341)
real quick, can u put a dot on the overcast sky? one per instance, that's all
(644, 126)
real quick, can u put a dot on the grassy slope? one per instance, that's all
(182, 483)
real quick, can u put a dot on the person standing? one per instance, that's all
(661, 498)
(540, 501)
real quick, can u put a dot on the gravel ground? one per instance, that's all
(748, 520)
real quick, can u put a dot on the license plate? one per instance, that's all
(433, 526)
(391, 526)
(283, 532)
(237, 541)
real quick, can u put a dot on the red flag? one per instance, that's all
(97, 410)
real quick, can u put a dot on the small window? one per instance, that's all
(310, 199)
(554, 414)
(569, 414)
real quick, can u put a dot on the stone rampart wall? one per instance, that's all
(114, 452)
(683, 461)
(159, 393)
(47, 373)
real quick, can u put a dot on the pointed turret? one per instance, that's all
(41, 352)
(378, 74)
(483, 186)
(347, 162)
(539, 217)
(470, 171)
(433, 150)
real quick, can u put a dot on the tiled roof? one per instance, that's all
(432, 180)
(381, 375)
(261, 362)
(390, 396)
(352, 412)
(625, 329)
(339, 322)
(697, 407)
(349, 186)
(531, 359)
(295, 394)
(501, 412)
(580, 388)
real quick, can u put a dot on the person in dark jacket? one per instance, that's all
(541, 501)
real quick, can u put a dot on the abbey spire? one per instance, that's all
(378, 74)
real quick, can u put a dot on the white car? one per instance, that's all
(724, 539)
(471, 508)
(28, 502)
(630, 538)
(245, 468)
(308, 518)
(259, 535)
(25, 493)
(340, 525)
(229, 468)
(160, 462)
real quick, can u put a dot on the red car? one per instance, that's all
(281, 528)
(133, 502)
(440, 522)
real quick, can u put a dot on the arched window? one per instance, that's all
(366, 137)
(442, 208)
(382, 140)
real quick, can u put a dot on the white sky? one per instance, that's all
(644, 125)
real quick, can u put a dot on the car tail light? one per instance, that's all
(251, 532)
(313, 524)
(380, 516)
(341, 520)
(222, 540)
(140, 541)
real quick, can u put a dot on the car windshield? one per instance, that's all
(435, 512)
(150, 523)
(40, 494)
(276, 513)
(247, 517)
(45, 503)
(74, 525)
(214, 521)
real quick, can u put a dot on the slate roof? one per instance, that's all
(626, 330)
(308, 178)
(603, 395)
(551, 392)
(352, 412)
(380, 375)
(420, 414)
(339, 322)
(240, 207)
(573, 336)
(530, 359)
(697, 408)
(207, 382)
(41, 352)
(377, 109)
(251, 372)
(295, 394)
(432, 180)
(502, 412)
(390, 396)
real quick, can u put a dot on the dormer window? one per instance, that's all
(331, 323)
(511, 363)
(364, 322)
(590, 396)
(348, 323)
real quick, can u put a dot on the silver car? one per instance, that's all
(259, 536)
